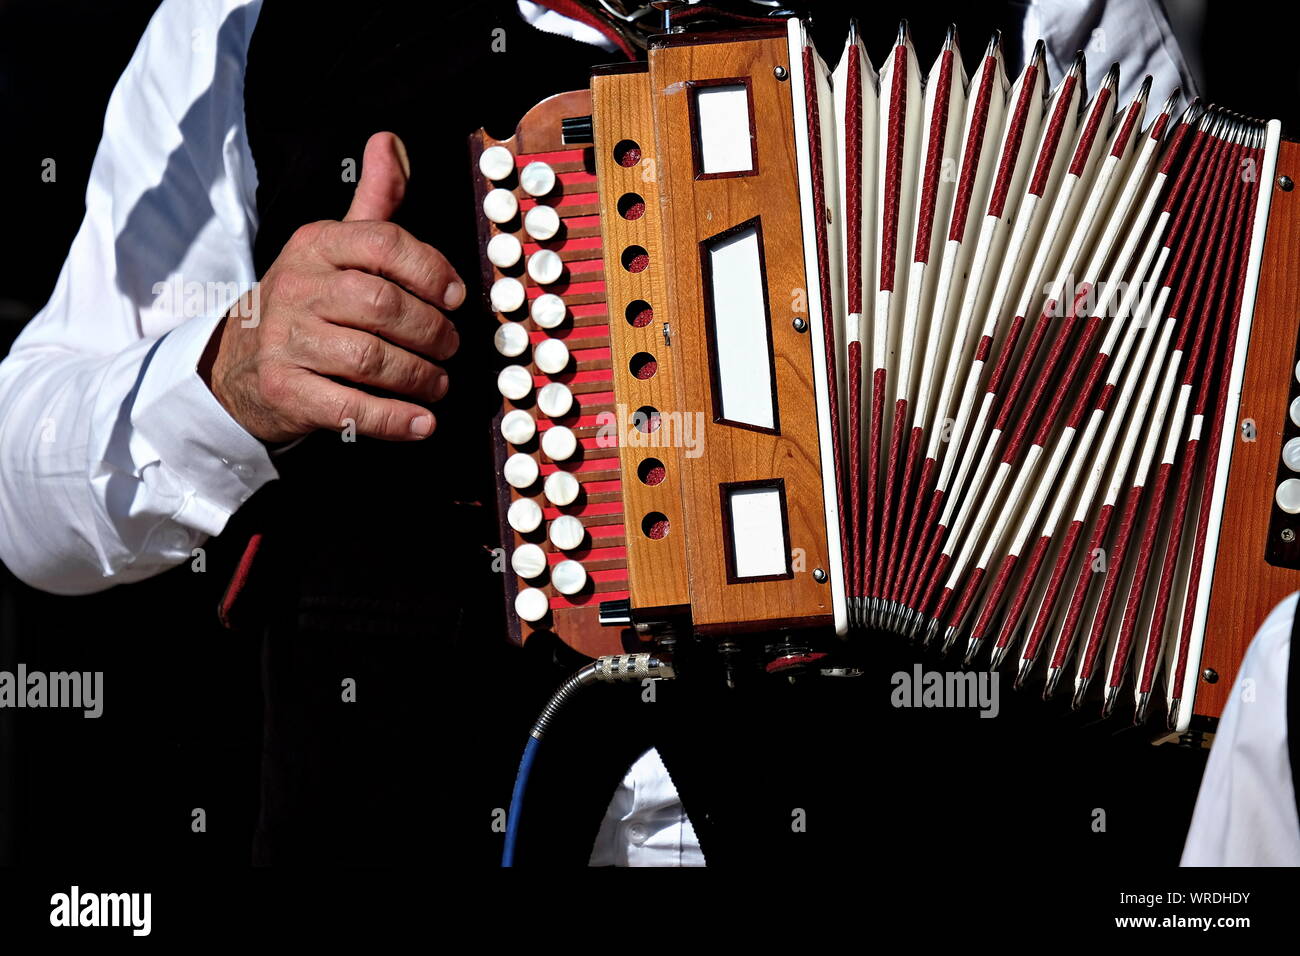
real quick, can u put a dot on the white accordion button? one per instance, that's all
(514, 382)
(568, 577)
(566, 532)
(1295, 405)
(559, 443)
(524, 515)
(549, 310)
(531, 605)
(551, 356)
(1288, 496)
(528, 561)
(520, 470)
(507, 294)
(504, 250)
(561, 488)
(496, 163)
(518, 428)
(555, 400)
(1291, 454)
(545, 266)
(537, 178)
(541, 222)
(500, 205)
(511, 339)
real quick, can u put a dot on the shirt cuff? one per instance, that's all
(192, 433)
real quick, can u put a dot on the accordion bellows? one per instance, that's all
(970, 358)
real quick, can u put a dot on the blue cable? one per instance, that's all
(517, 800)
(610, 667)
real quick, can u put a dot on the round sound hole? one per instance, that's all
(635, 259)
(651, 472)
(643, 365)
(655, 525)
(627, 152)
(631, 206)
(639, 314)
(646, 419)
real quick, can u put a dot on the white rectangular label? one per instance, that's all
(724, 134)
(758, 532)
(741, 337)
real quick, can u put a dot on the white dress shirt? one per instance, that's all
(115, 458)
(1136, 34)
(1246, 812)
(646, 824)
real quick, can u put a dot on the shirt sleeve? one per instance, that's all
(115, 458)
(1134, 33)
(1246, 811)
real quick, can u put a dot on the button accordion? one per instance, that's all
(1006, 367)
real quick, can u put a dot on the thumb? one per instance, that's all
(384, 172)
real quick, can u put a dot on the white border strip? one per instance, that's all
(796, 42)
(1228, 439)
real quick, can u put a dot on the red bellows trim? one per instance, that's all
(1015, 134)
(1090, 130)
(910, 494)
(870, 553)
(971, 155)
(1114, 565)
(1050, 596)
(1021, 595)
(893, 170)
(853, 250)
(934, 159)
(890, 514)
(854, 547)
(1125, 129)
(967, 596)
(1052, 138)
(1007, 354)
(853, 191)
(1065, 638)
(1137, 588)
(994, 597)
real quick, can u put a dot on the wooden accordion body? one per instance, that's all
(757, 394)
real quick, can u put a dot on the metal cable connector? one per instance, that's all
(611, 667)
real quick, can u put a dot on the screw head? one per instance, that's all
(800, 325)
(1288, 535)
(781, 73)
(819, 575)
(1285, 183)
(1210, 675)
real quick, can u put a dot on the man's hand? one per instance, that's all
(359, 300)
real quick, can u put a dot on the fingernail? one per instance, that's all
(454, 295)
(422, 425)
(400, 148)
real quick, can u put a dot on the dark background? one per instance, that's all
(182, 707)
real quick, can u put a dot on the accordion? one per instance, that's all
(1007, 367)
